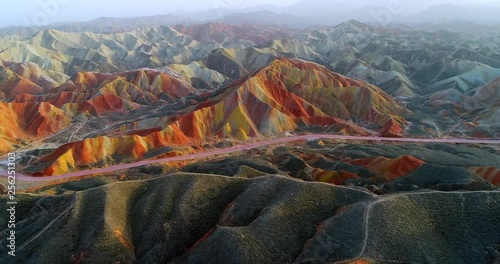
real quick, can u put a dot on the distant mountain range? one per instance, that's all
(304, 14)
(479, 13)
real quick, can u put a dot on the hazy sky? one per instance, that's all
(29, 12)
(23, 12)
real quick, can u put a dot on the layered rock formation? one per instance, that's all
(100, 93)
(477, 109)
(228, 35)
(285, 96)
(26, 122)
(17, 78)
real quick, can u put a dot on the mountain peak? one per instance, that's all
(353, 26)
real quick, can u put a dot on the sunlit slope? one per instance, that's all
(277, 99)
(491, 174)
(94, 93)
(390, 169)
(17, 78)
(25, 122)
(63, 54)
(36, 108)
(199, 76)
(70, 53)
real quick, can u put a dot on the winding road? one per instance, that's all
(211, 153)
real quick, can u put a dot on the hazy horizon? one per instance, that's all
(45, 12)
